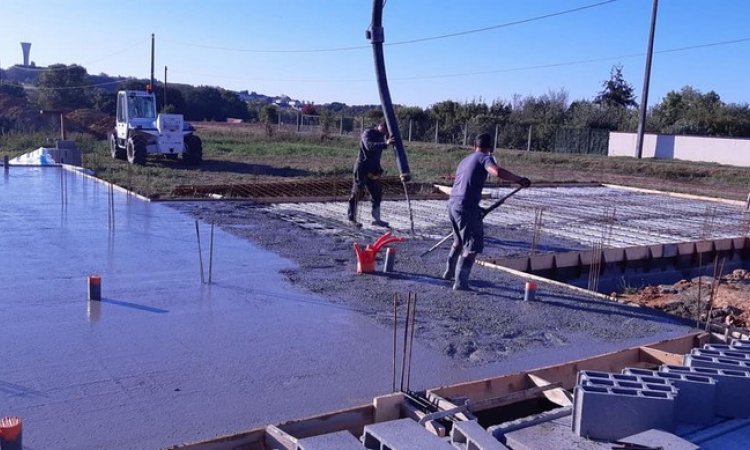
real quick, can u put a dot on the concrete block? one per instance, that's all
(542, 262)
(341, 440)
(732, 388)
(469, 435)
(500, 430)
(739, 244)
(716, 363)
(402, 434)
(686, 249)
(553, 434)
(669, 250)
(521, 264)
(612, 413)
(694, 403)
(726, 347)
(704, 247)
(613, 255)
(659, 439)
(586, 257)
(737, 343)
(656, 251)
(729, 354)
(568, 259)
(639, 253)
(723, 245)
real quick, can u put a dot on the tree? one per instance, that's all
(63, 87)
(689, 112)
(617, 91)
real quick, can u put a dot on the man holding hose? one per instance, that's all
(465, 213)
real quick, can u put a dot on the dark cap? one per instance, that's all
(484, 140)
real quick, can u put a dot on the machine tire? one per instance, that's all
(193, 154)
(136, 150)
(114, 149)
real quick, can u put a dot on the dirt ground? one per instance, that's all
(489, 324)
(727, 299)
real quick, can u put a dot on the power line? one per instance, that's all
(406, 42)
(487, 72)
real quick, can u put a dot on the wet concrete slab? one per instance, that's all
(164, 359)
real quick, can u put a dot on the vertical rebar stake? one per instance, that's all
(200, 255)
(403, 349)
(211, 254)
(411, 338)
(395, 325)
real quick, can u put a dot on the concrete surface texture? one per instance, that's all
(286, 330)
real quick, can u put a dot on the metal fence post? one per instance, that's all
(528, 142)
(497, 128)
(437, 127)
(411, 122)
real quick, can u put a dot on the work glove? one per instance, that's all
(524, 182)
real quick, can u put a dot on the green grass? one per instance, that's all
(246, 155)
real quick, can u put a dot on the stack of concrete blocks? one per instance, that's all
(469, 435)
(610, 407)
(402, 434)
(696, 397)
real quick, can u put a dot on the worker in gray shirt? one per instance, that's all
(465, 213)
(367, 173)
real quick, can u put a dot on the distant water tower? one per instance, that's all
(26, 46)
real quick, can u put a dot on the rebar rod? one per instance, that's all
(211, 254)
(411, 337)
(200, 254)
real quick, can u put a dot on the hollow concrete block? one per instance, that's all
(568, 259)
(402, 434)
(659, 439)
(341, 440)
(521, 264)
(613, 255)
(640, 253)
(694, 403)
(669, 250)
(605, 413)
(685, 250)
(716, 362)
(500, 431)
(732, 388)
(586, 257)
(656, 251)
(737, 343)
(541, 262)
(740, 244)
(469, 435)
(728, 353)
(704, 247)
(723, 245)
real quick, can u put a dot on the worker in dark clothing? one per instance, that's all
(465, 213)
(367, 172)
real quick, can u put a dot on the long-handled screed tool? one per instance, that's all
(484, 213)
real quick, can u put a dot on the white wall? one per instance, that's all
(731, 151)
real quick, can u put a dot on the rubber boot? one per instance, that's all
(463, 269)
(376, 218)
(450, 264)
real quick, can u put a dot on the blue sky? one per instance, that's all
(274, 46)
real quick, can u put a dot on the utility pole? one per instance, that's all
(151, 86)
(165, 86)
(646, 80)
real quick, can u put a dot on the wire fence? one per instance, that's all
(532, 137)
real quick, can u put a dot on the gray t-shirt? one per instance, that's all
(470, 177)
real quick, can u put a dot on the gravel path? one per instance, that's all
(486, 325)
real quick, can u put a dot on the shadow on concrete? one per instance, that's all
(19, 390)
(135, 306)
